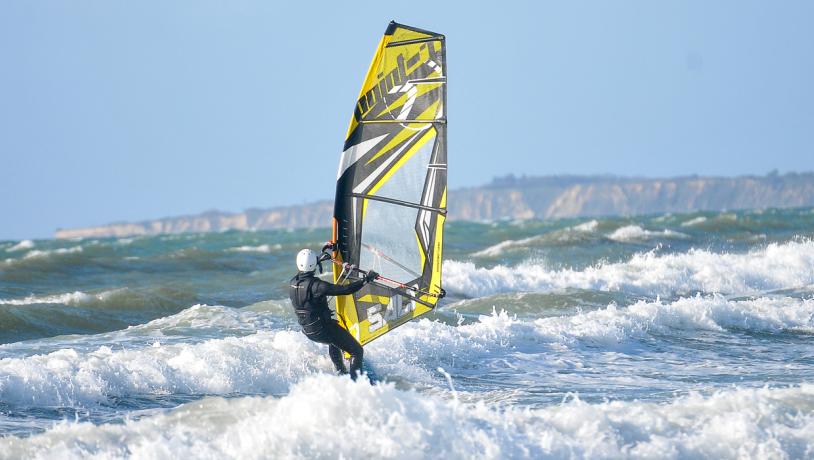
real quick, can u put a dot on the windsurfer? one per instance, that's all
(309, 296)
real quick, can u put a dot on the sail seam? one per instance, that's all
(439, 120)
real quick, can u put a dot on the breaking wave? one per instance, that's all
(502, 332)
(391, 423)
(21, 246)
(777, 266)
(716, 313)
(264, 362)
(201, 320)
(263, 248)
(42, 258)
(70, 298)
(630, 233)
(589, 226)
(41, 254)
(694, 221)
(566, 235)
(270, 361)
(37, 316)
(497, 249)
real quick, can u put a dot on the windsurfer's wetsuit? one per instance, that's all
(309, 296)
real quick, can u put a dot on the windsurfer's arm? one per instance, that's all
(325, 288)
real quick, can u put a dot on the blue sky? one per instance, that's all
(113, 110)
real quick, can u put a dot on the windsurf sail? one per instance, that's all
(391, 187)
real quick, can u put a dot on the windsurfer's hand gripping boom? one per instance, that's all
(370, 275)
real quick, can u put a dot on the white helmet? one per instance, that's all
(306, 260)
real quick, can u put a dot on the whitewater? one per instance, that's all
(664, 336)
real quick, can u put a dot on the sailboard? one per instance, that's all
(391, 186)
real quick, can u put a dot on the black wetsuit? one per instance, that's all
(309, 296)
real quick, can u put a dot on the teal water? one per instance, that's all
(606, 337)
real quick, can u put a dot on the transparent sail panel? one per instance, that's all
(389, 243)
(407, 183)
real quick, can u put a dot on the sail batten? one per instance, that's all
(402, 203)
(404, 122)
(390, 203)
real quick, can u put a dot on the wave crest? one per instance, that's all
(21, 246)
(390, 423)
(263, 248)
(568, 235)
(271, 361)
(631, 233)
(777, 266)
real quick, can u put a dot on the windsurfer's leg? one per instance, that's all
(342, 339)
(338, 360)
(320, 332)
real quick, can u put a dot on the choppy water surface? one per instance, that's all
(671, 336)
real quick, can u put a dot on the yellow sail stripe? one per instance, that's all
(409, 130)
(346, 311)
(395, 141)
(382, 299)
(370, 77)
(430, 133)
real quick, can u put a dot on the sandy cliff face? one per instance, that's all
(312, 215)
(519, 198)
(555, 197)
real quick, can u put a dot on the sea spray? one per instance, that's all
(775, 266)
(390, 423)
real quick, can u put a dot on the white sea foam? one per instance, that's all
(502, 332)
(589, 226)
(261, 362)
(266, 362)
(630, 233)
(497, 249)
(776, 266)
(21, 246)
(563, 235)
(263, 248)
(613, 324)
(199, 319)
(37, 254)
(77, 298)
(312, 421)
(695, 221)
(70, 298)
(271, 360)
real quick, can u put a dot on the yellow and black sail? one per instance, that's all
(392, 182)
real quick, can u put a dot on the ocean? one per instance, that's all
(664, 336)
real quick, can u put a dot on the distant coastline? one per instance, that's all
(513, 197)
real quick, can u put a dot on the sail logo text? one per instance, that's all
(379, 315)
(404, 71)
